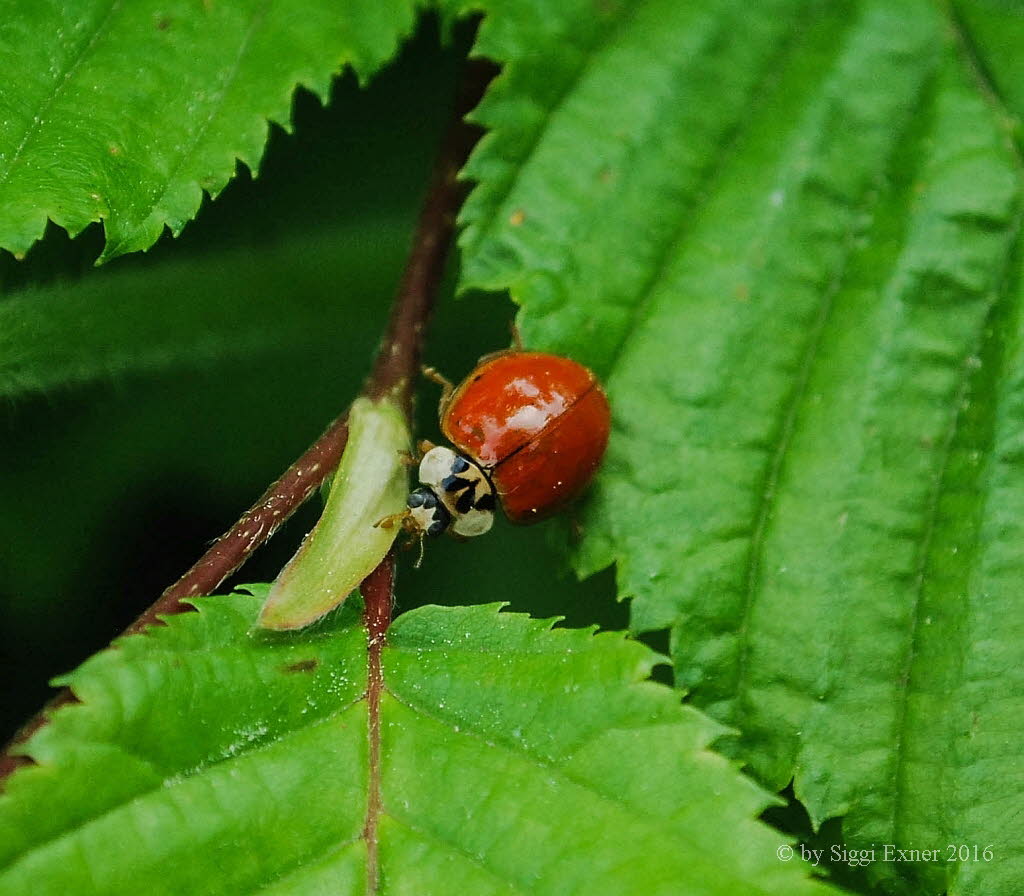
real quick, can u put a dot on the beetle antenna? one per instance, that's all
(419, 559)
(517, 337)
(447, 386)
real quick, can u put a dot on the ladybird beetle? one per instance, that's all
(529, 430)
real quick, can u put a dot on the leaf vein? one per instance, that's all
(252, 747)
(301, 864)
(457, 850)
(62, 80)
(713, 172)
(906, 676)
(767, 493)
(986, 84)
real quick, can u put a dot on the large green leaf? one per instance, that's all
(512, 758)
(125, 112)
(784, 232)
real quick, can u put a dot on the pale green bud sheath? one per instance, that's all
(344, 547)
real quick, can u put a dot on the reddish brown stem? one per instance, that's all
(257, 524)
(398, 362)
(394, 371)
(378, 590)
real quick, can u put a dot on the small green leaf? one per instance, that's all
(345, 545)
(127, 112)
(512, 759)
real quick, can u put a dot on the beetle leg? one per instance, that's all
(575, 529)
(389, 521)
(516, 348)
(413, 458)
(419, 559)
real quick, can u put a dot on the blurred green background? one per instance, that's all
(112, 489)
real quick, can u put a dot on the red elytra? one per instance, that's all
(538, 424)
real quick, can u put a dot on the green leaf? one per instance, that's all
(189, 313)
(784, 233)
(346, 544)
(126, 112)
(512, 758)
